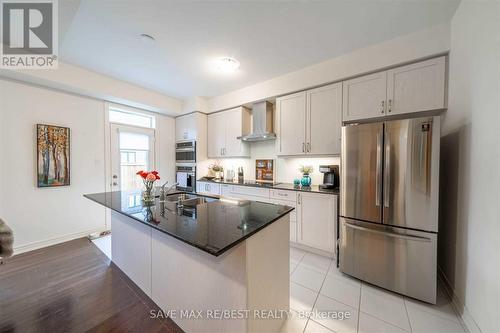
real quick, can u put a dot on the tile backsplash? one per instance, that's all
(286, 169)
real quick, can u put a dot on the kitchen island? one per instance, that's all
(212, 264)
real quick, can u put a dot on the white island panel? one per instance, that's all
(131, 249)
(185, 278)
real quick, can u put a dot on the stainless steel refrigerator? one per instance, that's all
(389, 205)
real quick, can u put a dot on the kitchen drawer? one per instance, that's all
(208, 188)
(283, 195)
(251, 191)
(226, 190)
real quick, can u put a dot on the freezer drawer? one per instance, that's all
(400, 260)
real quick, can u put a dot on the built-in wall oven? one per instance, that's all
(186, 177)
(185, 151)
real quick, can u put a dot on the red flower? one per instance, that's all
(144, 174)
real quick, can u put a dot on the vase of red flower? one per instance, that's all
(148, 178)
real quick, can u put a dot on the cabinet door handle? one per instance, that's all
(308, 147)
(303, 147)
(300, 199)
(382, 109)
(389, 105)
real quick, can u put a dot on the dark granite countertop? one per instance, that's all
(277, 186)
(214, 226)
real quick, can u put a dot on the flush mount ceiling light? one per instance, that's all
(226, 64)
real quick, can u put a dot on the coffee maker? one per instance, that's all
(330, 176)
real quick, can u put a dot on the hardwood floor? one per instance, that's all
(73, 287)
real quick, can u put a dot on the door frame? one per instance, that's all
(108, 172)
(115, 129)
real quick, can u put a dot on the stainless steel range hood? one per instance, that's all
(262, 123)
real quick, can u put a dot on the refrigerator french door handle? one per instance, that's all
(378, 188)
(387, 171)
(388, 234)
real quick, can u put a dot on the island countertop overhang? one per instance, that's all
(213, 227)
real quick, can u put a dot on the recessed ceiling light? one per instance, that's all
(147, 38)
(226, 64)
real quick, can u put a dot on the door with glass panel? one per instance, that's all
(132, 150)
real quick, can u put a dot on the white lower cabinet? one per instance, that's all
(312, 223)
(208, 188)
(316, 218)
(245, 192)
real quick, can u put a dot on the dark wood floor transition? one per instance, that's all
(72, 287)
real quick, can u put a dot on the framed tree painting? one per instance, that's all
(53, 155)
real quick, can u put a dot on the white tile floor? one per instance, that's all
(317, 284)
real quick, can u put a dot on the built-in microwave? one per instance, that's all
(186, 178)
(185, 151)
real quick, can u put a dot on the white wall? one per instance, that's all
(41, 217)
(470, 205)
(45, 216)
(287, 169)
(195, 104)
(421, 44)
(84, 82)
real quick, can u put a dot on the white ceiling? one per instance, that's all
(269, 38)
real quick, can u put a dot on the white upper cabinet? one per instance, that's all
(193, 126)
(416, 87)
(185, 127)
(216, 137)
(224, 128)
(407, 89)
(309, 122)
(364, 97)
(324, 119)
(291, 124)
(237, 123)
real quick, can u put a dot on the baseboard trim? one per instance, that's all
(463, 313)
(53, 241)
(313, 250)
